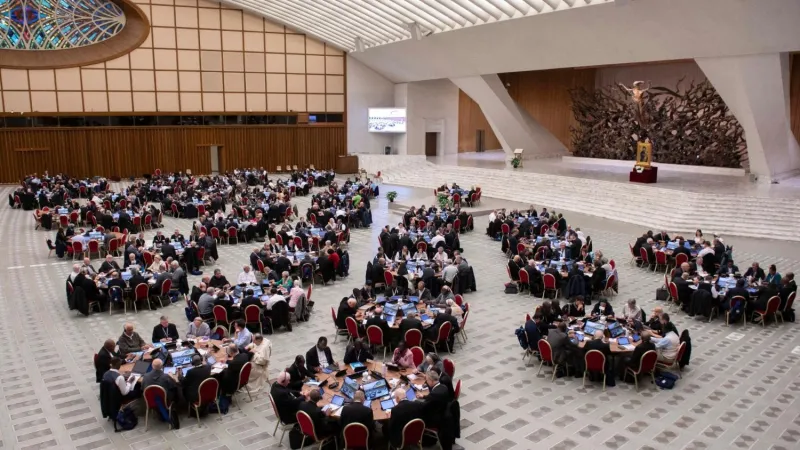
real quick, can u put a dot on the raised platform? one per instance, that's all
(679, 202)
(486, 206)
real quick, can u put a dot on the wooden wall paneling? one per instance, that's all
(471, 119)
(544, 94)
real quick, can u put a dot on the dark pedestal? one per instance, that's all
(647, 176)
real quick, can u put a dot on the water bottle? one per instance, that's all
(384, 370)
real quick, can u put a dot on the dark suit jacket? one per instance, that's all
(757, 274)
(312, 360)
(172, 332)
(344, 312)
(442, 318)
(191, 382)
(640, 350)
(103, 362)
(351, 355)
(298, 373)
(167, 250)
(286, 403)
(317, 416)
(402, 413)
(409, 324)
(107, 267)
(136, 280)
(598, 344)
(230, 376)
(561, 345)
(357, 413)
(435, 404)
(380, 323)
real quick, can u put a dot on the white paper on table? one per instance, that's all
(412, 377)
(628, 347)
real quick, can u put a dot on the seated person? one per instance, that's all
(654, 321)
(198, 329)
(403, 356)
(190, 383)
(635, 358)
(404, 412)
(165, 331)
(356, 412)
(298, 373)
(319, 356)
(287, 401)
(603, 308)
(322, 426)
(666, 346)
(357, 352)
(157, 377)
(756, 272)
(128, 389)
(631, 312)
(130, 341)
(247, 277)
(218, 280)
(575, 309)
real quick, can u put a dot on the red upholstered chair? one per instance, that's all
(164, 293)
(375, 338)
(201, 210)
(680, 259)
(220, 331)
(544, 229)
(244, 378)
(787, 307)
(546, 354)
(142, 292)
(148, 222)
(207, 392)
(661, 260)
(148, 258)
(643, 258)
(63, 220)
(520, 248)
(74, 217)
(389, 278)
(675, 363)
(459, 299)
(203, 229)
(298, 243)
(356, 435)
(233, 233)
(456, 199)
(412, 434)
(123, 203)
(313, 219)
(594, 361)
(524, 280)
(413, 338)
(457, 390)
(419, 355)
(352, 329)
(421, 225)
(609, 288)
(252, 316)
(549, 284)
(151, 394)
(137, 222)
(158, 172)
(457, 225)
(422, 246)
(449, 367)
(201, 255)
(308, 430)
(442, 336)
(94, 248)
(612, 264)
(505, 229)
(220, 316)
(646, 365)
(463, 327)
(175, 212)
(634, 257)
(77, 250)
(284, 426)
(215, 234)
(772, 309)
(673, 294)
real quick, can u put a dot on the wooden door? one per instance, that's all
(431, 140)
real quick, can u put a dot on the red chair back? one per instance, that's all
(523, 276)
(201, 209)
(333, 315)
(661, 258)
(306, 425)
(681, 258)
(459, 299)
(215, 232)
(444, 332)
(612, 264)
(422, 246)
(232, 231)
(413, 338)
(681, 351)
(352, 327)
(545, 351)
(375, 335)
(456, 199)
(244, 374)
(457, 390)
(673, 290)
(449, 367)
(74, 216)
(356, 435)
(201, 253)
(543, 230)
(643, 255)
(313, 219)
(166, 286)
(148, 219)
(208, 391)
(648, 362)
(595, 361)
(137, 220)
(418, 354)
(261, 267)
(610, 281)
(505, 229)
(457, 225)
(540, 254)
(152, 393)
(790, 301)
(388, 277)
(64, 221)
(773, 304)
(174, 209)
(77, 247)
(140, 292)
(549, 281)
(298, 243)
(203, 229)
(221, 331)
(412, 433)
(94, 246)
(252, 314)
(308, 295)
(220, 314)
(421, 224)
(148, 259)
(520, 248)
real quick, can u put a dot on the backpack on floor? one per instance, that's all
(511, 288)
(523, 339)
(126, 419)
(666, 380)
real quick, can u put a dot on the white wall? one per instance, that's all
(365, 89)
(430, 104)
(666, 74)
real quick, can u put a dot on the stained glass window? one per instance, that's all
(57, 24)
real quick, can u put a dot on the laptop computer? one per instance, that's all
(141, 367)
(616, 329)
(411, 394)
(349, 388)
(337, 400)
(392, 366)
(376, 389)
(408, 307)
(623, 341)
(590, 327)
(387, 404)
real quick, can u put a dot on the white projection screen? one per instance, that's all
(387, 120)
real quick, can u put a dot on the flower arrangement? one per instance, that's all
(516, 162)
(443, 200)
(391, 195)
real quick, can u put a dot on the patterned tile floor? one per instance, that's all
(739, 391)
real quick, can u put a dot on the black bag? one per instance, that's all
(295, 438)
(126, 419)
(662, 294)
(511, 288)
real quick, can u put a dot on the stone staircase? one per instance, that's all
(649, 206)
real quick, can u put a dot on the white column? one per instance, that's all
(756, 89)
(512, 125)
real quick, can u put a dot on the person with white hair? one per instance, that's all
(76, 270)
(247, 276)
(287, 402)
